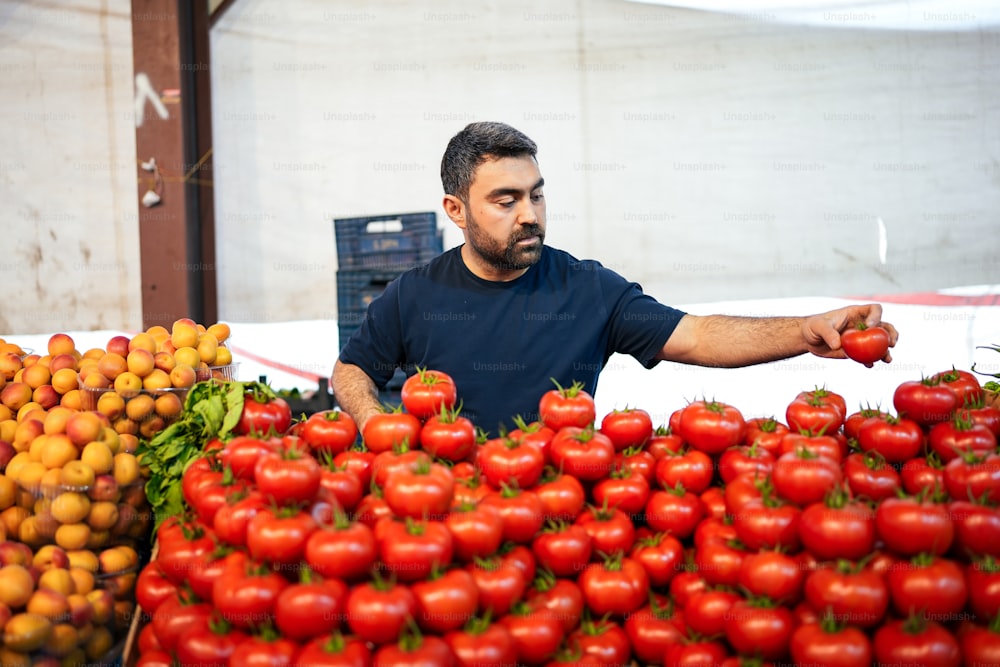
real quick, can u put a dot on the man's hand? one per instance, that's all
(822, 332)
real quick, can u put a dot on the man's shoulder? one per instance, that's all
(562, 260)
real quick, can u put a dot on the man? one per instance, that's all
(505, 315)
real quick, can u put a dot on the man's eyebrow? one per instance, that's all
(503, 192)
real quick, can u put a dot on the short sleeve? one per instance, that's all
(639, 324)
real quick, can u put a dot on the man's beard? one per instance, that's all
(507, 257)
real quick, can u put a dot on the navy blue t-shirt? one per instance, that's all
(503, 342)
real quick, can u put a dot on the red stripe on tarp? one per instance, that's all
(933, 299)
(264, 361)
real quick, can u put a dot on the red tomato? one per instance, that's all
(854, 420)
(983, 577)
(330, 432)
(511, 462)
(691, 468)
(926, 401)
(805, 478)
(922, 473)
(765, 432)
(536, 433)
(246, 591)
(707, 612)
(476, 531)
(913, 641)
(413, 548)
(712, 427)
(289, 477)
(266, 651)
(639, 460)
(176, 616)
(661, 555)
(571, 406)
(385, 431)
(242, 453)
(357, 459)
(773, 575)
(838, 528)
(448, 436)
(603, 639)
(977, 528)
(631, 427)
(675, 511)
(623, 489)
(560, 597)
(665, 441)
(335, 651)
(973, 476)
(610, 530)
(521, 512)
(870, 477)
(896, 439)
(279, 535)
(563, 549)
(208, 645)
(817, 412)
(768, 523)
(420, 491)
(615, 587)
(953, 438)
(759, 629)
(340, 484)
(428, 393)
(830, 646)
(865, 344)
(263, 414)
(654, 630)
(851, 595)
(414, 650)
(909, 526)
(965, 384)
(377, 611)
(697, 653)
(934, 587)
(343, 550)
(582, 453)
(152, 588)
(744, 458)
(500, 584)
(536, 633)
(562, 496)
(445, 602)
(980, 644)
(980, 413)
(719, 563)
(482, 644)
(310, 608)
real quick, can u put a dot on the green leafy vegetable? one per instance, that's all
(212, 409)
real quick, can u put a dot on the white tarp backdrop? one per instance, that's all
(708, 156)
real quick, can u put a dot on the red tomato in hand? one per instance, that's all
(865, 344)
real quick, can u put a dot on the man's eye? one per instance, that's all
(537, 196)
(506, 204)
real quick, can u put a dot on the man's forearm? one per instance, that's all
(355, 392)
(730, 341)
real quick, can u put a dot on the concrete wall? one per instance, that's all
(708, 157)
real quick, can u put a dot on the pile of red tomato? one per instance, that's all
(829, 538)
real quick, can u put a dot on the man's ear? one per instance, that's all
(455, 209)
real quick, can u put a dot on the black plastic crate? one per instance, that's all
(357, 289)
(387, 242)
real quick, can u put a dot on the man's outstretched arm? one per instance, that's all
(731, 341)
